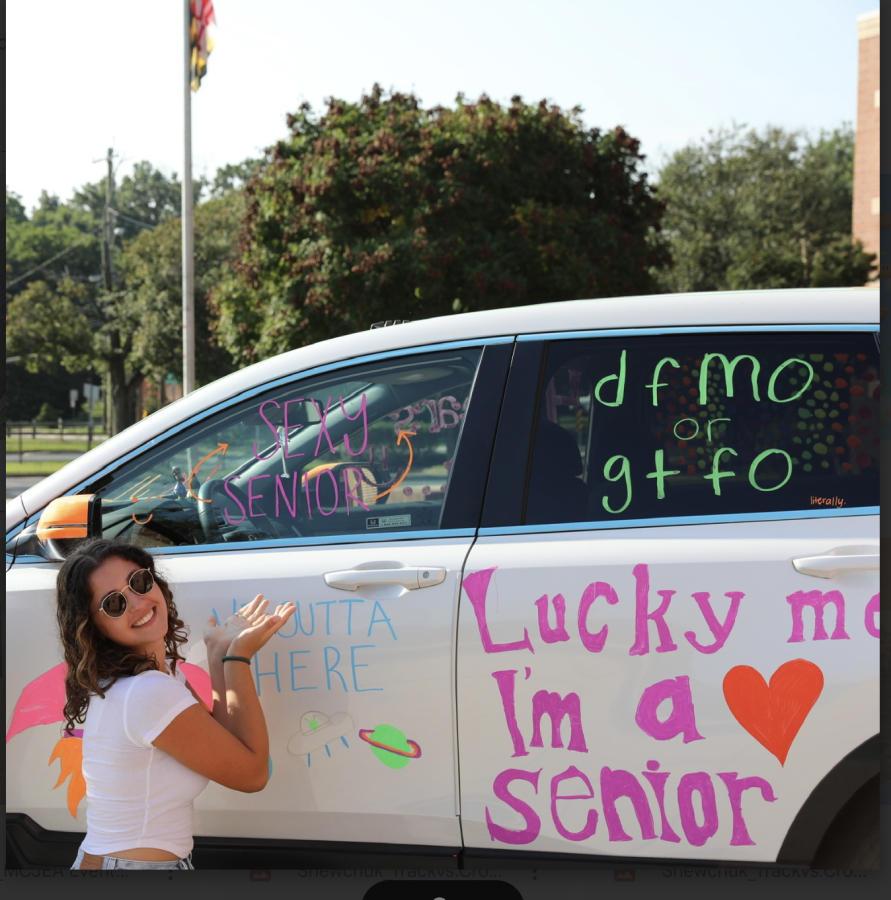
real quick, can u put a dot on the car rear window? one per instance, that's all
(706, 425)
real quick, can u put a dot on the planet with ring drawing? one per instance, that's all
(390, 745)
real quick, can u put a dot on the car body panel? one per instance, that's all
(753, 559)
(347, 664)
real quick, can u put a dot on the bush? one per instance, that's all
(48, 413)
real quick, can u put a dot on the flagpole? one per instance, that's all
(188, 227)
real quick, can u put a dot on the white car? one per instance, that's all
(583, 581)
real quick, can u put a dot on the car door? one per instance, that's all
(671, 637)
(333, 489)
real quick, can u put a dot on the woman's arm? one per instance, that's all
(218, 637)
(218, 685)
(236, 754)
(244, 715)
(200, 743)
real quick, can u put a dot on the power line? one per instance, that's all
(120, 215)
(43, 265)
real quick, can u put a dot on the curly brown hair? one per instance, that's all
(94, 662)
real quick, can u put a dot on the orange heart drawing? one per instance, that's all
(773, 714)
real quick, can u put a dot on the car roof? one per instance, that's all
(724, 308)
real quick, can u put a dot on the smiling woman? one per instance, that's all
(140, 624)
(149, 744)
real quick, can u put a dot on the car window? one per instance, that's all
(705, 424)
(364, 450)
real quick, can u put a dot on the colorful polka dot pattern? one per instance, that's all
(830, 428)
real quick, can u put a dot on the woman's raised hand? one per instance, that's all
(246, 632)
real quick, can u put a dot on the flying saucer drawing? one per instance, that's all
(317, 731)
(390, 745)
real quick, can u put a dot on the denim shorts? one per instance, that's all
(113, 862)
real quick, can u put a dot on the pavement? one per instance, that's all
(18, 484)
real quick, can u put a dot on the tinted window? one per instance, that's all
(689, 425)
(366, 450)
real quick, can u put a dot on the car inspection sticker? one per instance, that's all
(387, 521)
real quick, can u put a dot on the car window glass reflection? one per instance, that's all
(368, 451)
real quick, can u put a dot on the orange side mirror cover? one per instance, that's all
(78, 516)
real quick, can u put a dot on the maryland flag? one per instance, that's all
(201, 33)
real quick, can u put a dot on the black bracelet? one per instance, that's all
(237, 659)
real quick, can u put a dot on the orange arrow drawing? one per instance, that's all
(411, 456)
(221, 449)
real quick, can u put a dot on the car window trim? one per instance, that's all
(507, 487)
(691, 329)
(289, 543)
(722, 519)
(297, 542)
(469, 477)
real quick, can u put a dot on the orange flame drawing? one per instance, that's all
(69, 752)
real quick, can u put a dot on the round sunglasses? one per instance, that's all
(114, 605)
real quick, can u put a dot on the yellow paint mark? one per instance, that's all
(144, 487)
(144, 483)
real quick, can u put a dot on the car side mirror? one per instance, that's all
(66, 521)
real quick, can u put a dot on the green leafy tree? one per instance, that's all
(151, 279)
(15, 209)
(69, 326)
(49, 326)
(772, 210)
(382, 209)
(47, 413)
(144, 198)
(59, 239)
(27, 246)
(234, 177)
(61, 319)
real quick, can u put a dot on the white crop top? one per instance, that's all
(137, 795)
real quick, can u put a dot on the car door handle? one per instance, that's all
(841, 559)
(407, 577)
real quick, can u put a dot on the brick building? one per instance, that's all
(867, 205)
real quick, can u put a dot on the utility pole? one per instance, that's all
(108, 226)
(111, 423)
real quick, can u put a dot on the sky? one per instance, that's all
(88, 75)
